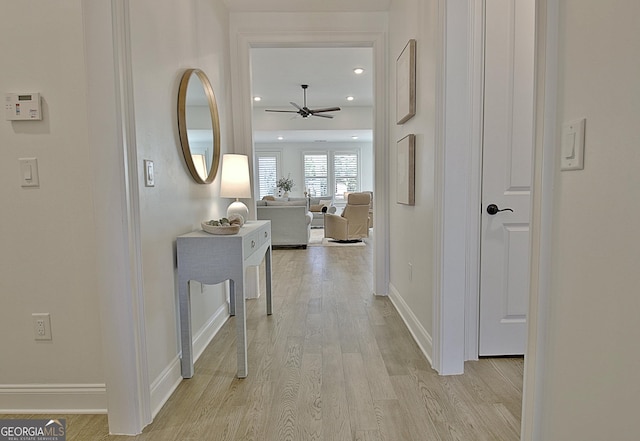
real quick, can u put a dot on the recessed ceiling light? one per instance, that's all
(280, 138)
(257, 98)
(358, 70)
(354, 137)
(350, 98)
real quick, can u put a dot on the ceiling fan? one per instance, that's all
(306, 112)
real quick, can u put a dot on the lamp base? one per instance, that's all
(240, 208)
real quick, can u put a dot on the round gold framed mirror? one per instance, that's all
(199, 126)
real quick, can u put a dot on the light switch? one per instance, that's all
(149, 179)
(29, 172)
(572, 149)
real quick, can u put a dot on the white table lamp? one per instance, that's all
(235, 183)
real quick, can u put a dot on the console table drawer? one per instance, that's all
(263, 235)
(251, 244)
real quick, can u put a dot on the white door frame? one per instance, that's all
(242, 112)
(458, 161)
(547, 16)
(474, 196)
(112, 143)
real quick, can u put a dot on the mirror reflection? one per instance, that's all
(199, 126)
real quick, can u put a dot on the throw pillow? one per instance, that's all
(316, 208)
(326, 202)
(268, 198)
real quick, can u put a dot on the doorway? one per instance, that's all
(312, 121)
(243, 133)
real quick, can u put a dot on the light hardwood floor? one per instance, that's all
(332, 363)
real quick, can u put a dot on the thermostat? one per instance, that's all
(23, 106)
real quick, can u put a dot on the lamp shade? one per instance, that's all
(235, 182)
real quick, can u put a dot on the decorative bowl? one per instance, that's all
(213, 229)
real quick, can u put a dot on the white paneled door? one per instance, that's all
(506, 176)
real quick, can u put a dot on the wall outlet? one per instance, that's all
(41, 326)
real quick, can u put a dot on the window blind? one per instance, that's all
(267, 174)
(316, 173)
(345, 169)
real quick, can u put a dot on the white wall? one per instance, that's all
(591, 386)
(412, 227)
(49, 254)
(47, 257)
(168, 37)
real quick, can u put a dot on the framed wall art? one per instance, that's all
(406, 83)
(406, 170)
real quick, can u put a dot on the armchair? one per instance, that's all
(353, 224)
(318, 207)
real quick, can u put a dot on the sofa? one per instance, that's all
(290, 221)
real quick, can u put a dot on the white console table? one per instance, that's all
(212, 259)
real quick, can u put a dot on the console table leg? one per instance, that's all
(186, 362)
(268, 277)
(241, 325)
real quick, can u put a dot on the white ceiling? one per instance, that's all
(315, 136)
(307, 5)
(278, 73)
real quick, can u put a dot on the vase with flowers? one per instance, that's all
(285, 185)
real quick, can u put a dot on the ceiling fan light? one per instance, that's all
(358, 71)
(280, 138)
(257, 98)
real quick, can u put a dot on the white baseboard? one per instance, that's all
(167, 382)
(420, 335)
(204, 336)
(53, 398)
(164, 385)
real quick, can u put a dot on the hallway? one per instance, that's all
(332, 363)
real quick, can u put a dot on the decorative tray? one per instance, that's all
(218, 229)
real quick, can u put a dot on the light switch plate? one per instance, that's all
(29, 172)
(572, 145)
(149, 178)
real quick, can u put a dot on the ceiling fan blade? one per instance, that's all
(304, 111)
(327, 109)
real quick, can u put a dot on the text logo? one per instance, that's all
(33, 430)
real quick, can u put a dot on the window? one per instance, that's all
(316, 173)
(345, 170)
(267, 165)
(331, 173)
